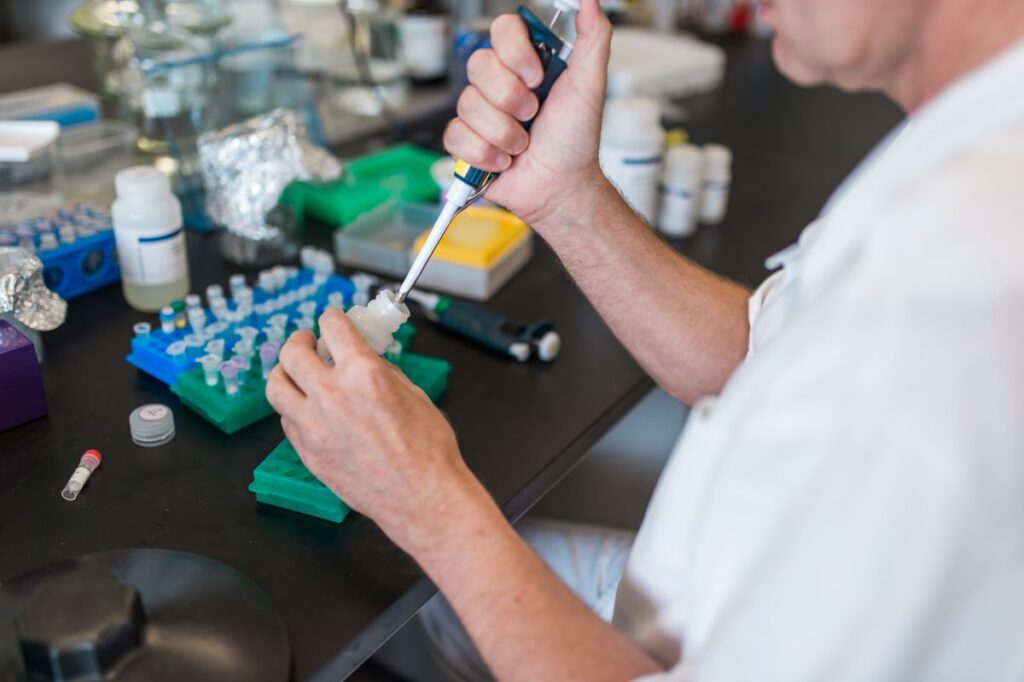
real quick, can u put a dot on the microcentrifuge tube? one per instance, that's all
(335, 300)
(304, 324)
(236, 282)
(307, 308)
(266, 281)
(216, 347)
(193, 341)
(193, 302)
(243, 363)
(142, 329)
(214, 291)
(247, 333)
(177, 349)
(178, 306)
(86, 465)
(243, 296)
(279, 275)
(244, 348)
(275, 335)
(167, 319)
(196, 318)
(211, 366)
(229, 372)
(268, 358)
(47, 241)
(219, 308)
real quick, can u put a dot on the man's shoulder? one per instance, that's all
(960, 226)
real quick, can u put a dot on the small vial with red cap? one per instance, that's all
(89, 462)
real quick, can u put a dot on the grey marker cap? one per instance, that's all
(151, 425)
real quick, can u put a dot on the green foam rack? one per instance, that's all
(228, 413)
(282, 480)
(430, 374)
(401, 172)
(249, 405)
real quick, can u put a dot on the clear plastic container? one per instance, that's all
(28, 169)
(382, 239)
(91, 156)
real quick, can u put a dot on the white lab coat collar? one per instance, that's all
(984, 100)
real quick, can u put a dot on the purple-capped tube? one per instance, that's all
(229, 372)
(243, 363)
(268, 357)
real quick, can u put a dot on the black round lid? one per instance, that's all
(140, 614)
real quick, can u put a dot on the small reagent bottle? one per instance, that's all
(150, 239)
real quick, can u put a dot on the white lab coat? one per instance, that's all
(852, 506)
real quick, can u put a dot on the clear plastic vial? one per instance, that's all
(632, 141)
(150, 239)
(86, 465)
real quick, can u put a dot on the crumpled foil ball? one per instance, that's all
(247, 165)
(23, 291)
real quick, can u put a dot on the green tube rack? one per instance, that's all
(232, 414)
(282, 480)
(400, 172)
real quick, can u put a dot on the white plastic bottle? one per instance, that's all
(632, 141)
(681, 190)
(150, 239)
(717, 182)
(423, 34)
(377, 321)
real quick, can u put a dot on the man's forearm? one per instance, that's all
(686, 326)
(525, 622)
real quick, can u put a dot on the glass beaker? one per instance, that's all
(373, 77)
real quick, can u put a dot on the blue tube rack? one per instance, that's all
(76, 246)
(149, 353)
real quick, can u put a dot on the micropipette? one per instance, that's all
(470, 183)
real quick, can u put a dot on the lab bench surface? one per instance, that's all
(344, 589)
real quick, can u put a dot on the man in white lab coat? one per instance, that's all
(847, 499)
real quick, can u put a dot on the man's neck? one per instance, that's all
(956, 38)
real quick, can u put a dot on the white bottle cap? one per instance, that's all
(151, 425)
(625, 116)
(142, 183)
(717, 162)
(684, 165)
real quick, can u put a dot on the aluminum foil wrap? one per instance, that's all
(23, 291)
(247, 165)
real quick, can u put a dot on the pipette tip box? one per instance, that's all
(481, 251)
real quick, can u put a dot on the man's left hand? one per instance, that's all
(368, 433)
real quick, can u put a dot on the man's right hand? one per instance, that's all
(542, 172)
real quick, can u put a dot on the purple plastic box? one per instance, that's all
(22, 397)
